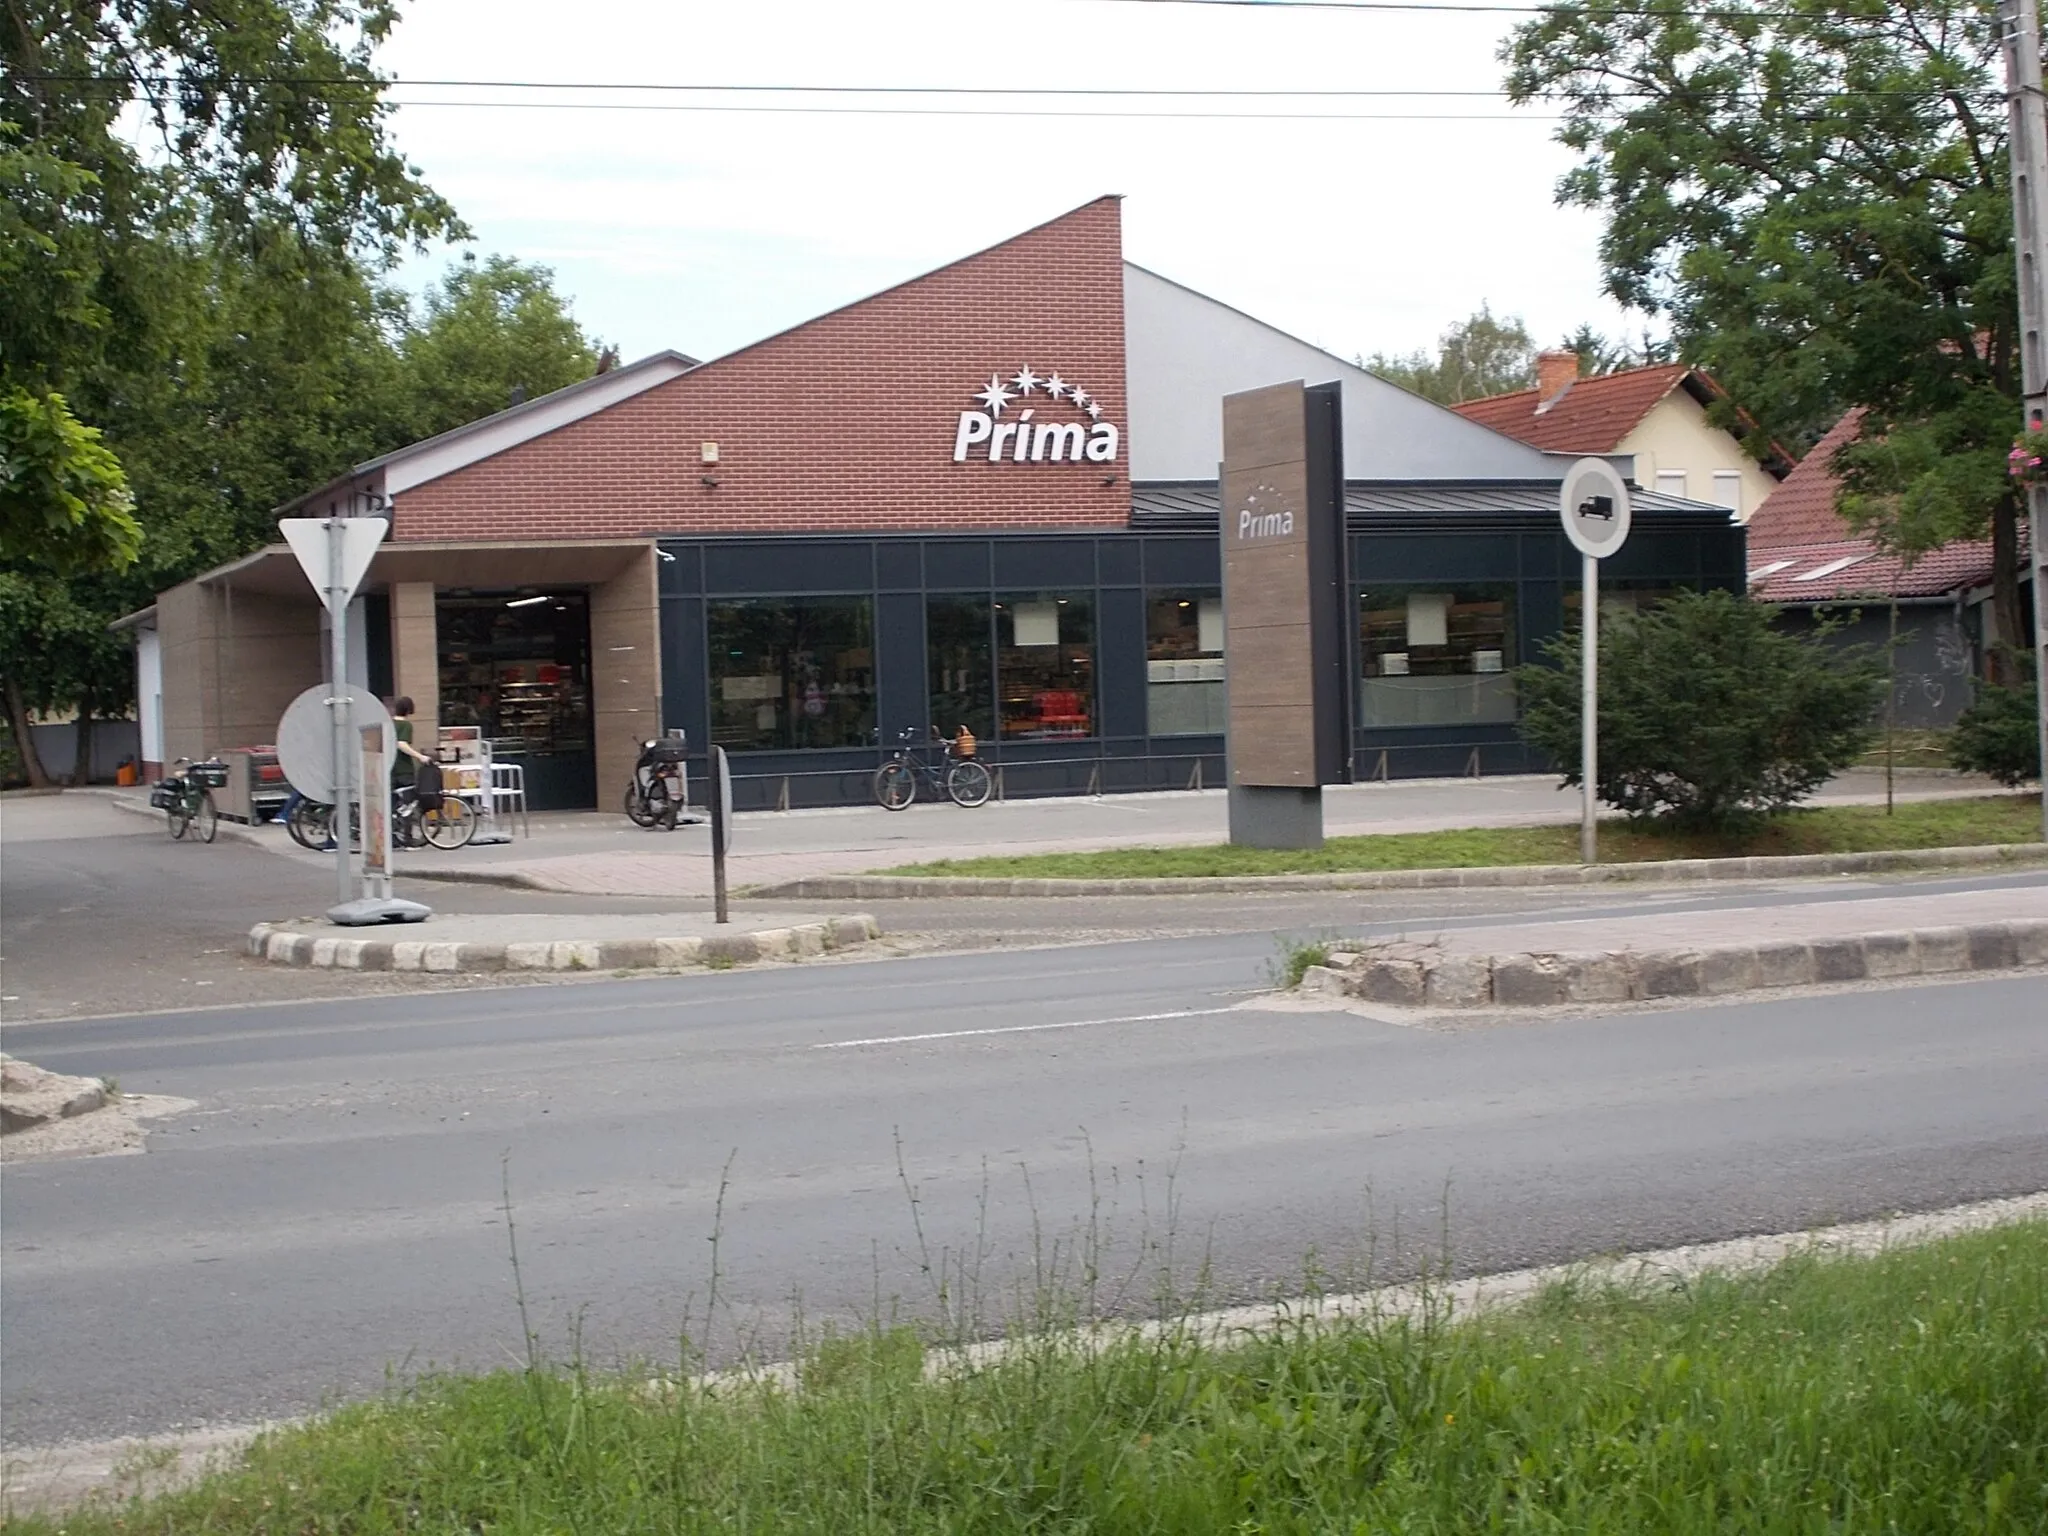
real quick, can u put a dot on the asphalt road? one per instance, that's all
(335, 1206)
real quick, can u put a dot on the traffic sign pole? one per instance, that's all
(337, 630)
(1589, 709)
(1593, 504)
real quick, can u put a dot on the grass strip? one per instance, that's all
(1904, 1392)
(1820, 829)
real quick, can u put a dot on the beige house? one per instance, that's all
(1657, 414)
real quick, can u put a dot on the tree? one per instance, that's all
(1816, 197)
(1709, 716)
(1599, 355)
(1480, 356)
(490, 333)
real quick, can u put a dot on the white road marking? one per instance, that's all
(1020, 1029)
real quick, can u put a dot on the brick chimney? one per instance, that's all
(1555, 371)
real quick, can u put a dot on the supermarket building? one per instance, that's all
(986, 497)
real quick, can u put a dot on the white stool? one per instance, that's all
(508, 793)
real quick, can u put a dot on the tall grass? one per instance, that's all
(1908, 1392)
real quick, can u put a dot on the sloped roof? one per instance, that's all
(1800, 550)
(1802, 509)
(1850, 568)
(1589, 416)
(1593, 415)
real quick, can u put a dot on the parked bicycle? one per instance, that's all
(659, 791)
(952, 769)
(448, 824)
(187, 797)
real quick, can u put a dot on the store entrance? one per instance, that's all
(517, 663)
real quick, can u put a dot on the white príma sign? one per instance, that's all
(1024, 439)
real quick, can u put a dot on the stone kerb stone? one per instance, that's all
(285, 946)
(1403, 974)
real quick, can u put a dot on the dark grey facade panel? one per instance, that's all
(1119, 572)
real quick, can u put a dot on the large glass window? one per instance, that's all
(792, 672)
(1184, 663)
(1045, 664)
(1436, 655)
(960, 642)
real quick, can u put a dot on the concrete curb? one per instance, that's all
(882, 887)
(1407, 975)
(284, 946)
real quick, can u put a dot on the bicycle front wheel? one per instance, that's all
(968, 784)
(450, 824)
(895, 786)
(180, 815)
(308, 823)
(205, 818)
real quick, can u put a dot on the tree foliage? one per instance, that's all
(1479, 356)
(211, 292)
(1709, 716)
(489, 333)
(64, 502)
(1999, 734)
(1815, 195)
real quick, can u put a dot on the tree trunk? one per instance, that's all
(24, 737)
(2006, 641)
(81, 764)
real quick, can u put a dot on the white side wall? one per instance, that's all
(1183, 352)
(149, 693)
(1676, 435)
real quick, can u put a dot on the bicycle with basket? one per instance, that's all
(186, 797)
(955, 771)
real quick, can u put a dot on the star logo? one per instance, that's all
(995, 397)
(1081, 397)
(1025, 380)
(1094, 410)
(1056, 386)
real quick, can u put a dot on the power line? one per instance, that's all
(1292, 93)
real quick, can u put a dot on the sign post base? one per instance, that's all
(1264, 816)
(369, 911)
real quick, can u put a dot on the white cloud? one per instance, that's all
(706, 230)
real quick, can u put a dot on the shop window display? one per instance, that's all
(960, 641)
(1184, 663)
(1045, 665)
(1436, 656)
(790, 674)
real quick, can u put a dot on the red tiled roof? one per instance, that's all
(1774, 571)
(1802, 509)
(1797, 531)
(1590, 416)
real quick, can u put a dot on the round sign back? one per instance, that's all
(305, 740)
(1595, 507)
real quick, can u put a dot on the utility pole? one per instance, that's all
(2027, 121)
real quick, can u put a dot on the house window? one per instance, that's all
(1436, 656)
(792, 673)
(1184, 663)
(1728, 490)
(1671, 482)
(1045, 664)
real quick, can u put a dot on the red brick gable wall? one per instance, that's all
(845, 422)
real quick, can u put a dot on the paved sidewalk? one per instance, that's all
(600, 853)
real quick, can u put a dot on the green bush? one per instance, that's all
(1999, 735)
(1709, 715)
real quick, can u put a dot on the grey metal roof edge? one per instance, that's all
(139, 619)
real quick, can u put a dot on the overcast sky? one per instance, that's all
(707, 229)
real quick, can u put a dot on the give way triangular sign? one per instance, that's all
(308, 537)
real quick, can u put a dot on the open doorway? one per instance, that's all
(517, 663)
